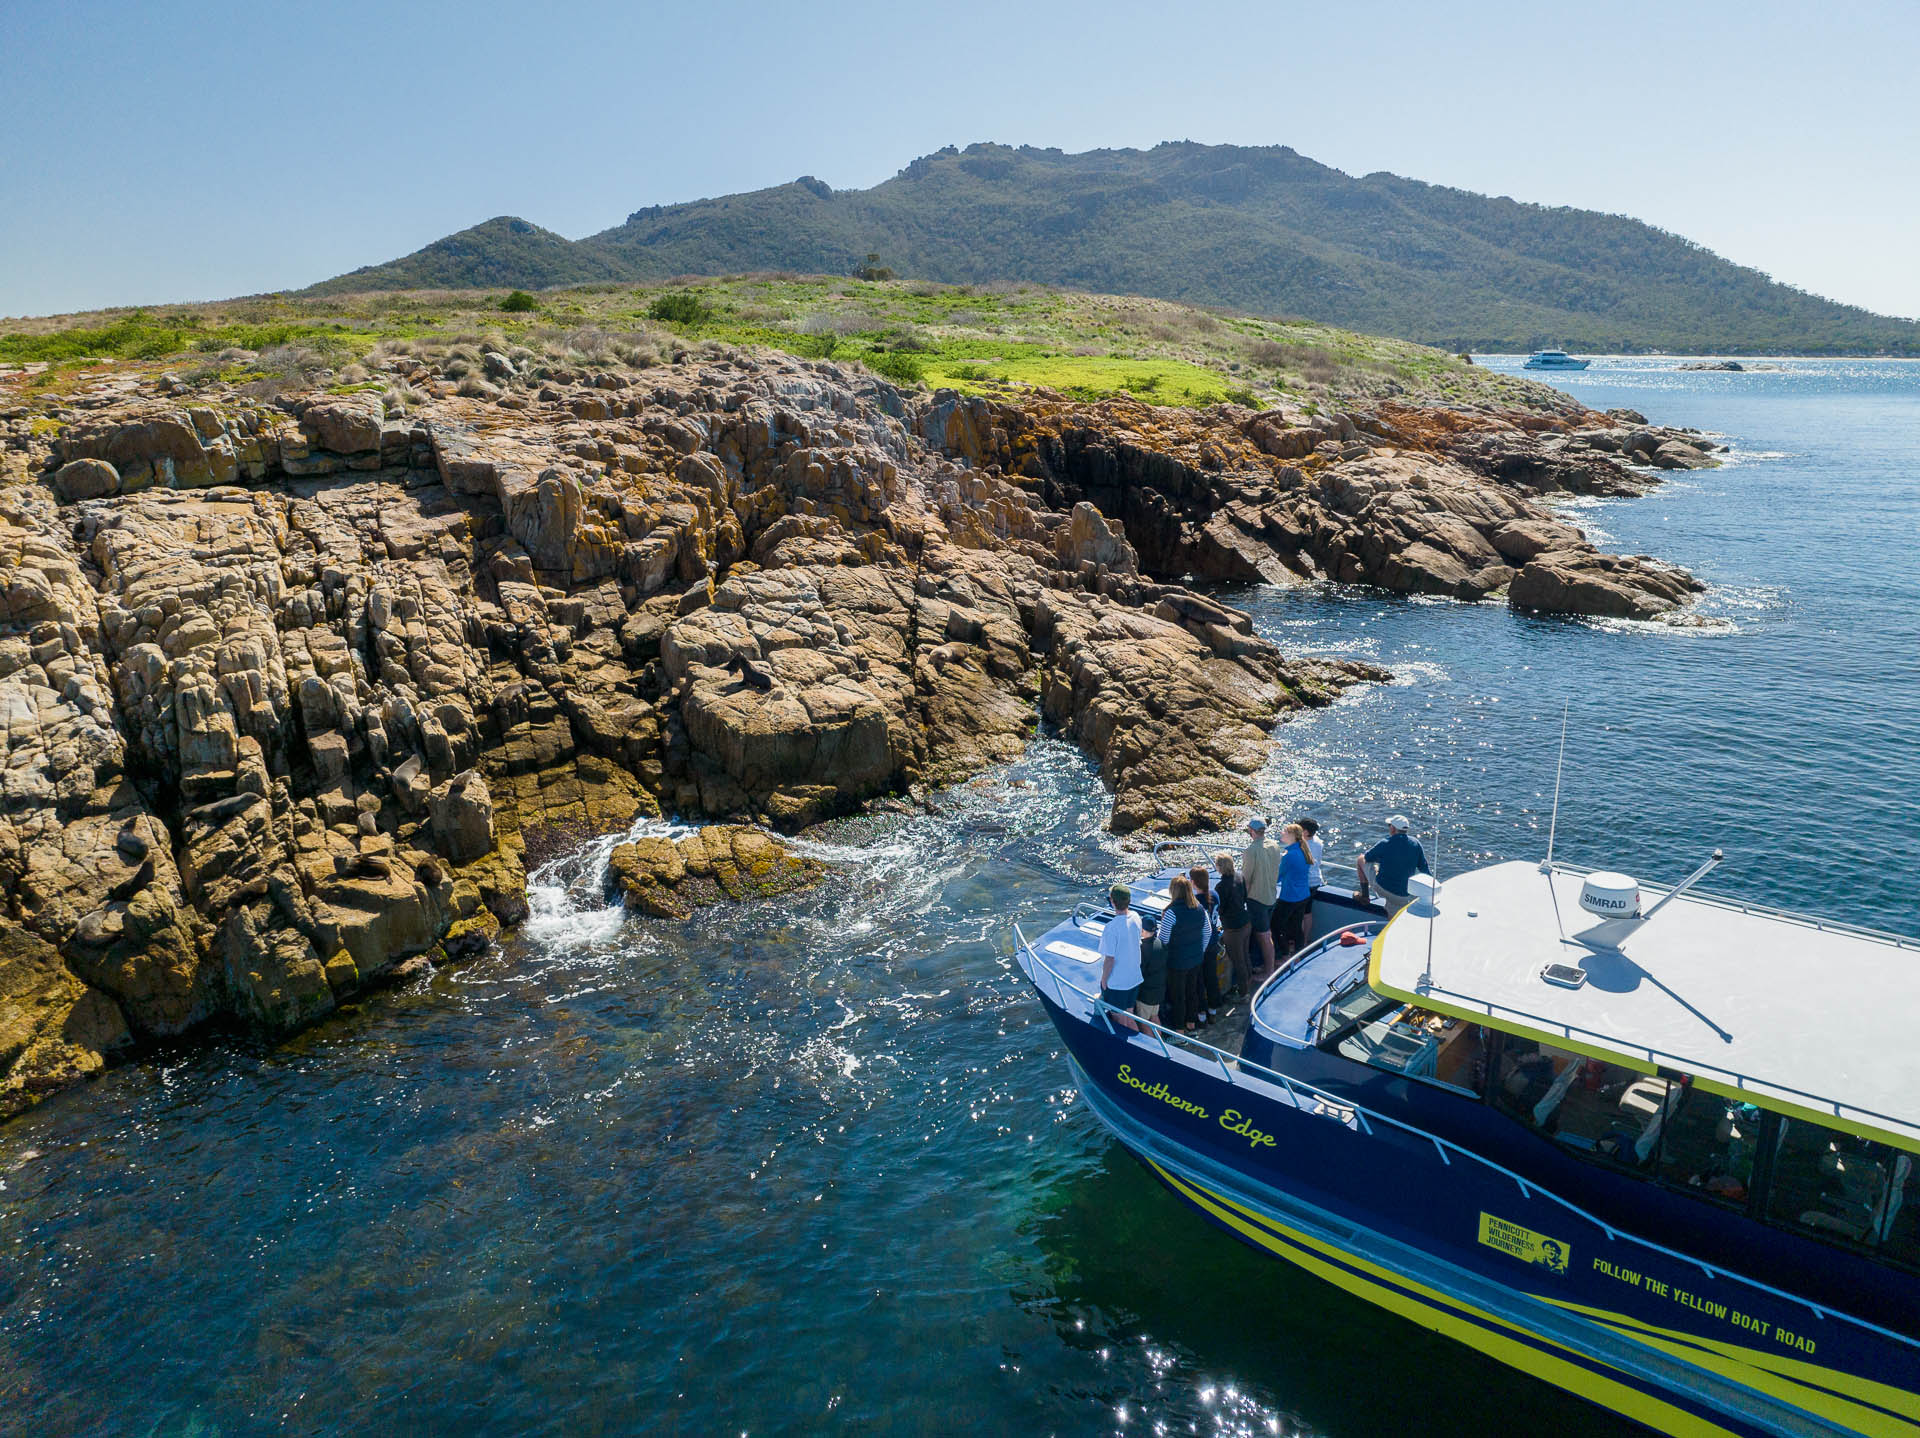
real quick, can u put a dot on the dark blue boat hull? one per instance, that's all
(1476, 1251)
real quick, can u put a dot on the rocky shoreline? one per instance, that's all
(298, 686)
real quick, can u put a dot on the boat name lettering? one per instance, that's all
(1234, 1122)
(1161, 1092)
(1764, 1328)
(1524, 1244)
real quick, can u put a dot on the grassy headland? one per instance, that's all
(984, 339)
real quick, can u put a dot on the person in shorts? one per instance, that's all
(1260, 872)
(1120, 957)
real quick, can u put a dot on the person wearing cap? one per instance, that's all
(1120, 957)
(1394, 860)
(1260, 872)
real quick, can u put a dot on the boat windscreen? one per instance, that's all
(1354, 1004)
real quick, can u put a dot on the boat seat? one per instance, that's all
(1550, 1100)
(1645, 1097)
(1857, 1207)
(1650, 1135)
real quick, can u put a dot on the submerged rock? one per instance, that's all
(670, 878)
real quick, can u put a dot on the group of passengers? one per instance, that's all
(1253, 914)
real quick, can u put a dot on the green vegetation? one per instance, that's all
(680, 307)
(901, 368)
(997, 339)
(138, 335)
(519, 303)
(1261, 229)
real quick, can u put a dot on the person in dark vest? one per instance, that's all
(1153, 978)
(1235, 923)
(1211, 1003)
(1185, 930)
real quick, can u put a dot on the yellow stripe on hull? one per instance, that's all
(1444, 1314)
(1838, 1397)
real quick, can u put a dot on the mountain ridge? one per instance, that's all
(1260, 229)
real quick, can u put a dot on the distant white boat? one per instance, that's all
(1553, 359)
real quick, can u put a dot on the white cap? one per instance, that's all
(1398, 821)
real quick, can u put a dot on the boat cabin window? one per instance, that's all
(1606, 1110)
(1708, 1145)
(1845, 1189)
(1404, 1038)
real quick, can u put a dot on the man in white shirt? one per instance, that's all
(1120, 957)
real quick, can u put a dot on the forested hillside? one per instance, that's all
(1264, 230)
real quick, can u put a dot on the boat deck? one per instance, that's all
(1286, 1003)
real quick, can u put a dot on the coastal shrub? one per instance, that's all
(1245, 397)
(969, 372)
(1268, 354)
(900, 368)
(519, 303)
(1317, 364)
(843, 324)
(1141, 383)
(680, 307)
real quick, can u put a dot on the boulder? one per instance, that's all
(1677, 454)
(1583, 581)
(345, 424)
(671, 877)
(54, 1029)
(80, 479)
(1521, 539)
(1089, 536)
(462, 810)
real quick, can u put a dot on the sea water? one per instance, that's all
(816, 1163)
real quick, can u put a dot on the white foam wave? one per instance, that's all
(566, 899)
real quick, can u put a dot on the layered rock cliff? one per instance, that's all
(297, 688)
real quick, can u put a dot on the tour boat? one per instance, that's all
(1652, 1146)
(1554, 359)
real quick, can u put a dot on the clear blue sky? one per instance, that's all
(169, 151)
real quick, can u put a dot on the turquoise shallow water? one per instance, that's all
(817, 1165)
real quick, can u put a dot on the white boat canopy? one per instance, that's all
(1791, 1013)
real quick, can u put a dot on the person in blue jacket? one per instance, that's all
(1394, 860)
(1296, 891)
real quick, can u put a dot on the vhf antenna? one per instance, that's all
(1546, 864)
(1433, 909)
